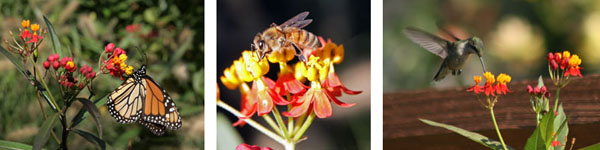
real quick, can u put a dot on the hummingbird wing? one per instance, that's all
(428, 41)
(441, 73)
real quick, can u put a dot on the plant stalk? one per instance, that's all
(253, 123)
(497, 129)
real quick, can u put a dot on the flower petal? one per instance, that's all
(338, 102)
(322, 105)
(301, 105)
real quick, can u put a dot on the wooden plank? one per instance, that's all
(581, 100)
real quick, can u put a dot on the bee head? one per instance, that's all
(259, 46)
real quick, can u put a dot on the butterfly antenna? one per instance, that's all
(144, 54)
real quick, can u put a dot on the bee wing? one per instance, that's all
(297, 21)
(428, 41)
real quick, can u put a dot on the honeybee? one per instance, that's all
(289, 33)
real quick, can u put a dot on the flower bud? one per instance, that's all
(46, 64)
(109, 48)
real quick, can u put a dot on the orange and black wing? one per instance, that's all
(159, 108)
(125, 103)
(154, 128)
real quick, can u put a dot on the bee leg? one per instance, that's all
(299, 53)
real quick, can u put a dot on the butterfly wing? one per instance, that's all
(159, 108)
(154, 128)
(125, 102)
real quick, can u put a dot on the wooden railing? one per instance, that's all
(581, 101)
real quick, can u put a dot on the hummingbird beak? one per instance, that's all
(482, 64)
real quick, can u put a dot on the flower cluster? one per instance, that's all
(245, 146)
(265, 94)
(30, 33)
(568, 63)
(489, 88)
(66, 77)
(538, 91)
(562, 66)
(52, 60)
(29, 39)
(115, 62)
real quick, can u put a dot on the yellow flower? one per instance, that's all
(299, 70)
(35, 27)
(574, 61)
(284, 55)
(503, 79)
(566, 54)
(332, 52)
(123, 57)
(257, 69)
(477, 79)
(123, 66)
(25, 23)
(229, 78)
(129, 70)
(489, 77)
(314, 68)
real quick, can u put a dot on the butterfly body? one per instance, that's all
(140, 99)
(455, 54)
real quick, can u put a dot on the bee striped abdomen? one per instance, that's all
(303, 38)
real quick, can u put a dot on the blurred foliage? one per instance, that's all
(517, 36)
(169, 40)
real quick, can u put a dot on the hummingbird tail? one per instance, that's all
(441, 73)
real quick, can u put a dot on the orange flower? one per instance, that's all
(25, 23)
(476, 88)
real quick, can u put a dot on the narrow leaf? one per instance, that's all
(91, 107)
(18, 64)
(55, 41)
(592, 147)
(91, 138)
(490, 143)
(9, 145)
(42, 136)
(81, 114)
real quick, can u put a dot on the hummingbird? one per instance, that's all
(454, 54)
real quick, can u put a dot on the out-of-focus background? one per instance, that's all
(169, 32)
(346, 22)
(517, 36)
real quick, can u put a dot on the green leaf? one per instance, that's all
(535, 142)
(490, 143)
(55, 41)
(42, 136)
(80, 115)
(18, 64)
(592, 147)
(540, 82)
(560, 127)
(91, 107)
(9, 145)
(228, 137)
(91, 138)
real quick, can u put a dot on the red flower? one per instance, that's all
(476, 88)
(245, 146)
(133, 27)
(262, 93)
(315, 98)
(288, 83)
(109, 48)
(248, 108)
(25, 34)
(35, 38)
(556, 143)
(46, 64)
(335, 86)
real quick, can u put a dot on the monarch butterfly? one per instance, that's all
(140, 99)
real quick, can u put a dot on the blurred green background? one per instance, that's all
(171, 35)
(517, 35)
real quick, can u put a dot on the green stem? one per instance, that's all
(299, 122)
(290, 146)
(273, 125)
(252, 123)
(556, 101)
(290, 121)
(53, 102)
(304, 126)
(497, 129)
(280, 122)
